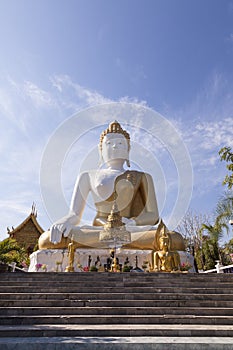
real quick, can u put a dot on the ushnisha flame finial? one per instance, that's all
(114, 128)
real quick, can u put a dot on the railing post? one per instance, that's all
(13, 265)
(217, 266)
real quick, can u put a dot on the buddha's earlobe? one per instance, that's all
(100, 157)
(128, 163)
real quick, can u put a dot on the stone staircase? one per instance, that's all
(113, 305)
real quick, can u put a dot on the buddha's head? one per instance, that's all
(114, 143)
(164, 241)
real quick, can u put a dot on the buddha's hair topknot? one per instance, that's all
(114, 128)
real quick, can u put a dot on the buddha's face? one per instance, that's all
(163, 243)
(114, 146)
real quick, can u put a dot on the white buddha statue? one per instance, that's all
(132, 190)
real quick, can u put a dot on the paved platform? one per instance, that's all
(117, 343)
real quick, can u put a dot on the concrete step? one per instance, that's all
(117, 343)
(117, 288)
(124, 277)
(115, 303)
(132, 274)
(127, 290)
(111, 310)
(115, 296)
(115, 319)
(108, 284)
(119, 331)
(108, 279)
(126, 281)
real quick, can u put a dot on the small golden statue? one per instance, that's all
(71, 251)
(115, 267)
(165, 259)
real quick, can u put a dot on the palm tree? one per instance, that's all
(224, 209)
(210, 246)
(226, 154)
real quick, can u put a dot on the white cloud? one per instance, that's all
(215, 134)
(91, 97)
(206, 125)
(210, 136)
(204, 142)
(207, 122)
(134, 100)
(214, 102)
(211, 161)
(6, 107)
(86, 97)
(39, 97)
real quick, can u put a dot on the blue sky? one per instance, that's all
(59, 57)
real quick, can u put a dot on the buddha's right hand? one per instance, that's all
(62, 227)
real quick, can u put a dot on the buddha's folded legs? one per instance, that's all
(144, 238)
(90, 239)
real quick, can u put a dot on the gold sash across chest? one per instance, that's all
(130, 195)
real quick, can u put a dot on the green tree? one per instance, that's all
(227, 155)
(10, 251)
(227, 253)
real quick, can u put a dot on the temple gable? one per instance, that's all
(28, 232)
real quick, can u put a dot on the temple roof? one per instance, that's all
(32, 217)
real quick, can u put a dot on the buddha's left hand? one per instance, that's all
(128, 222)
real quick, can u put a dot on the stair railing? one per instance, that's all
(220, 268)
